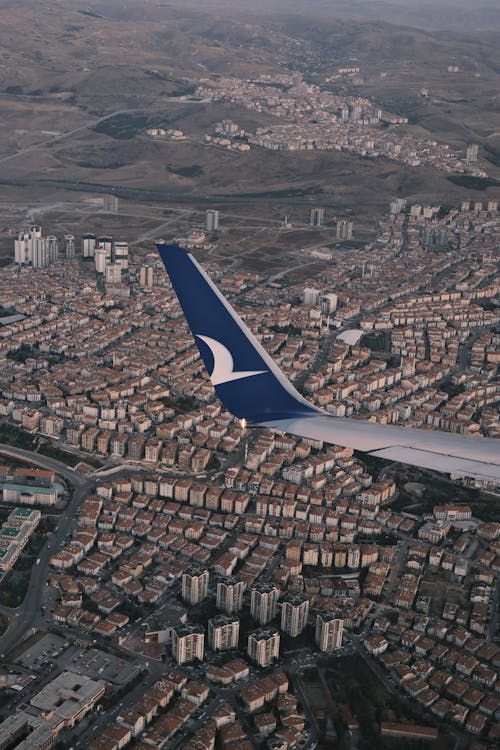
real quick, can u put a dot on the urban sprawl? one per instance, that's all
(203, 553)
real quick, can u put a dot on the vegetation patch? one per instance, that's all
(15, 584)
(47, 449)
(122, 127)
(286, 193)
(101, 165)
(14, 587)
(186, 89)
(23, 353)
(192, 171)
(473, 183)
(180, 403)
(90, 13)
(13, 435)
(376, 342)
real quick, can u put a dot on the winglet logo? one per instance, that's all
(223, 371)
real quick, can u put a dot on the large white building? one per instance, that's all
(294, 614)
(40, 257)
(59, 705)
(194, 585)
(344, 230)
(329, 630)
(146, 276)
(223, 632)
(317, 216)
(230, 595)
(100, 259)
(28, 494)
(188, 643)
(107, 244)
(69, 246)
(212, 220)
(88, 245)
(31, 247)
(452, 512)
(312, 296)
(120, 255)
(328, 303)
(263, 602)
(15, 534)
(24, 244)
(472, 153)
(264, 646)
(113, 273)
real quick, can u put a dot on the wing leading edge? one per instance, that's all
(252, 387)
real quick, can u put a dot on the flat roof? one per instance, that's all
(9, 531)
(8, 319)
(25, 512)
(67, 694)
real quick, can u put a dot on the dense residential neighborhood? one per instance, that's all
(209, 574)
(313, 118)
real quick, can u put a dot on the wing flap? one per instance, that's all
(457, 466)
(455, 454)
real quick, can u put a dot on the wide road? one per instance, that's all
(25, 616)
(150, 195)
(45, 462)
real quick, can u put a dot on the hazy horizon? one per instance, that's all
(453, 15)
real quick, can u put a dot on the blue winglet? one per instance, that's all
(248, 382)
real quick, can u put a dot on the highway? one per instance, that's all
(27, 615)
(163, 196)
(45, 462)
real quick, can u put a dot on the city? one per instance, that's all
(196, 536)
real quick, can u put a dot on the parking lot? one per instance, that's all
(98, 665)
(53, 650)
(49, 647)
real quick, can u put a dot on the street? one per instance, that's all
(28, 614)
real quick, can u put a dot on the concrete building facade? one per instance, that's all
(294, 614)
(223, 632)
(263, 602)
(194, 585)
(329, 631)
(264, 646)
(188, 643)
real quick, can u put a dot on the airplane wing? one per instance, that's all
(252, 387)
